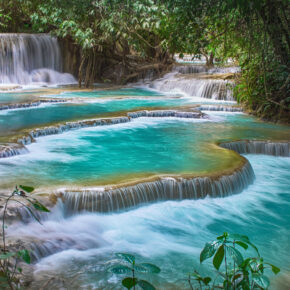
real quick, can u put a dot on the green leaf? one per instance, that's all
(239, 237)
(145, 285)
(275, 269)
(28, 189)
(242, 244)
(151, 268)
(120, 269)
(129, 282)
(7, 255)
(24, 255)
(206, 280)
(208, 251)
(218, 258)
(235, 254)
(38, 206)
(261, 280)
(127, 257)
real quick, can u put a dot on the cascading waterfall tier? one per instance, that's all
(220, 108)
(31, 58)
(9, 150)
(259, 147)
(30, 104)
(196, 87)
(52, 130)
(194, 69)
(162, 189)
(190, 69)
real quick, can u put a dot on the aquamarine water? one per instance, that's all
(170, 234)
(109, 93)
(17, 119)
(100, 155)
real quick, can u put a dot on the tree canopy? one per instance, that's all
(254, 33)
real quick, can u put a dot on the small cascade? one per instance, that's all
(259, 147)
(30, 104)
(53, 130)
(111, 200)
(190, 69)
(165, 113)
(220, 108)
(195, 87)
(31, 58)
(9, 150)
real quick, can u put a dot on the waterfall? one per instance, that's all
(259, 147)
(165, 113)
(203, 88)
(162, 189)
(190, 69)
(31, 58)
(220, 108)
(9, 150)
(30, 104)
(193, 69)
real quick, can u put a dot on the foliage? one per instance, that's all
(239, 273)
(9, 259)
(255, 34)
(129, 266)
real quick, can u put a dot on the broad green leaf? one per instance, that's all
(25, 256)
(145, 285)
(7, 255)
(218, 257)
(235, 254)
(275, 269)
(129, 282)
(261, 280)
(242, 244)
(127, 257)
(150, 268)
(28, 189)
(120, 269)
(208, 251)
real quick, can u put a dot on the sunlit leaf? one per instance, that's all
(235, 254)
(208, 251)
(150, 268)
(261, 280)
(127, 257)
(25, 256)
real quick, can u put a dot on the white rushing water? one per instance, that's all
(193, 86)
(29, 59)
(169, 234)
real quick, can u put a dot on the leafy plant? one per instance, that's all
(129, 266)
(242, 273)
(9, 260)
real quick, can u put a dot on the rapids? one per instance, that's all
(169, 234)
(153, 169)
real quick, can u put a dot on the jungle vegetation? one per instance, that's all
(134, 36)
